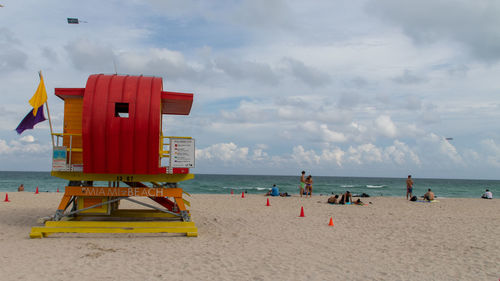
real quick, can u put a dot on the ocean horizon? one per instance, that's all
(260, 184)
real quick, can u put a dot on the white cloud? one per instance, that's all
(401, 153)
(335, 155)
(226, 152)
(27, 139)
(365, 153)
(493, 152)
(385, 126)
(300, 155)
(16, 147)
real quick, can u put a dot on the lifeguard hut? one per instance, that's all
(112, 148)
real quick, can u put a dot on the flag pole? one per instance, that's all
(48, 112)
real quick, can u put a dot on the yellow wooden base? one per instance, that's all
(114, 227)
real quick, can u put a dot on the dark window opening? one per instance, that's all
(121, 109)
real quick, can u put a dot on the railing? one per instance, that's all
(182, 157)
(59, 162)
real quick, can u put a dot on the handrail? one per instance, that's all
(165, 137)
(69, 149)
(66, 134)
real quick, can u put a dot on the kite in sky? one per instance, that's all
(75, 21)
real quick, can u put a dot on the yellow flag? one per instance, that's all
(40, 96)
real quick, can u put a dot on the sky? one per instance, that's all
(336, 88)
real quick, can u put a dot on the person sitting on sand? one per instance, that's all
(429, 196)
(21, 188)
(275, 191)
(358, 202)
(333, 199)
(487, 194)
(346, 198)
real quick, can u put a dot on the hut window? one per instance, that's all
(121, 109)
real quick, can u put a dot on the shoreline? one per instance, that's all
(238, 194)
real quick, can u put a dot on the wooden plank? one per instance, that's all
(119, 224)
(50, 230)
(39, 232)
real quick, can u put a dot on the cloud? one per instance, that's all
(91, 56)
(439, 151)
(12, 56)
(300, 155)
(493, 152)
(259, 154)
(408, 78)
(349, 100)
(401, 153)
(413, 103)
(263, 14)
(430, 114)
(334, 155)
(28, 139)
(473, 24)
(246, 70)
(308, 75)
(225, 152)
(50, 55)
(385, 126)
(24, 147)
(365, 153)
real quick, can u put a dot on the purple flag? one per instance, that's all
(30, 121)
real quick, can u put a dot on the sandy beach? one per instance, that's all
(242, 239)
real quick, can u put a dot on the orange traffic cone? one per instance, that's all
(36, 191)
(242, 194)
(302, 212)
(268, 202)
(6, 198)
(331, 221)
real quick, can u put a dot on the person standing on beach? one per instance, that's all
(409, 187)
(302, 183)
(309, 186)
(20, 188)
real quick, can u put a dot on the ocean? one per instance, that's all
(254, 184)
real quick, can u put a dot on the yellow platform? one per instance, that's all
(73, 226)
